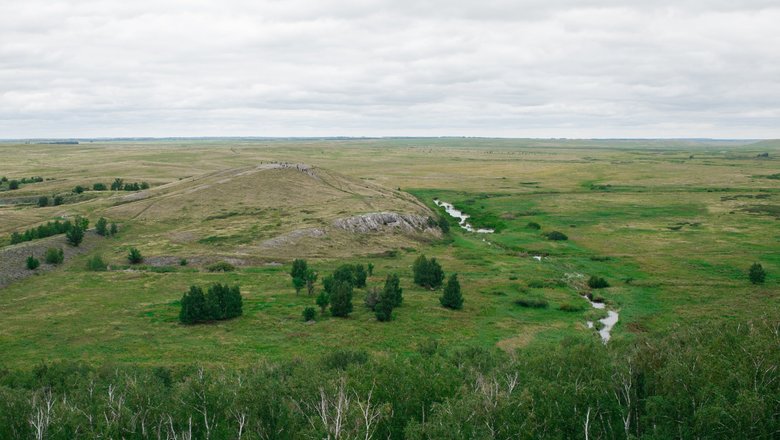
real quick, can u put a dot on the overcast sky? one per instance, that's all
(539, 68)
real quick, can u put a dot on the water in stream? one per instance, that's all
(461, 216)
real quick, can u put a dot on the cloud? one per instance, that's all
(561, 68)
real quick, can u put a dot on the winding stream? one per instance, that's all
(608, 322)
(461, 216)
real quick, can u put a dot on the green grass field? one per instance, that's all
(672, 225)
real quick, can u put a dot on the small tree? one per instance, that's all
(311, 279)
(309, 314)
(96, 264)
(757, 274)
(75, 235)
(78, 189)
(43, 201)
(452, 297)
(393, 290)
(298, 269)
(58, 200)
(192, 306)
(341, 299)
(427, 273)
(117, 184)
(134, 256)
(114, 229)
(32, 263)
(298, 284)
(101, 227)
(54, 256)
(99, 187)
(13, 184)
(370, 268)
(384, 308)
(443, 224)
(323, 300)
(360, 276)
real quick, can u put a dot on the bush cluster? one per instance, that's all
(427, 272)
(595, 282)
(48, 229)
(218, 303)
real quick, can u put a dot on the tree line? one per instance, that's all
(220, 302)
(715, 380)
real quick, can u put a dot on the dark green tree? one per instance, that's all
(32, 263)
(393, 291)
(43, 201)
(360, 276)
(13, 184)
(16, 238)
(298, 269)
(134, 256)
(444, 225)
(54, 256)
(757, 273)
(323, 300)
(75, 235)
(384, 308)
(192, 306)
(113, 229)
(452, 298)
(311, 279)
(99, 187)
(298, 284)
(78, 189)
(341, 299)
(427, 273)
(595, 282)
(370, 269)
(117, 184)
(101, 226)
(309, 314)
(58, 200)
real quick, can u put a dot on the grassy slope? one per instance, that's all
(693, 272)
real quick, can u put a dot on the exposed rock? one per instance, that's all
(382, 221)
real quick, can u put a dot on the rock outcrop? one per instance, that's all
(382, 221)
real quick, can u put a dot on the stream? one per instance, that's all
(608, 322)
(461, 216)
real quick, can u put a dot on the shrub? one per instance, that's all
(113, 229)
(533, 225)
(341, 299)
(569, 307)
(96, 264)
(221, 266)
(78, 189)
(383, 310)
(532, 303)
(43, 201)
(134, 256)
(298, 284)
(595, 282)
(58, 200)
(443, 224)
(13, 184)
(342, 358)
(117, 184)
(370, 269)
(323, 300)
(557, 236)
(183, 262)
(75, 235)
(427, 273)
(298, 269)
(32, 263)
(372, 298)
(452, 297)
(757, 273)
(101, 226)
(99, 187)
(309, 314)
(54, 256)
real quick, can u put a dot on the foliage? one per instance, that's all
(341, 299)
(309, 314)
(183, 262)
(43, 201)
(58, 200)
(114, 229)
(75, 235)
(323, 300)
(569, 307)
(757, 274)
(117, 184)
(595, 282)
(443, 224)
(299, 268)
(54, 256)
(311, 278)
(556, 236)
(372, 298)
(427, 273)
(13, 184)
(99, 187)
(452, 298)
(134, 256)
(298, 284)
(220, 266)
(42, 231)
(370, 269)
(393, 291)
(96, 264)
(32, 263)
(101, 226)
(533, 225)
(78, 189)
(219, 303)
(532, 303)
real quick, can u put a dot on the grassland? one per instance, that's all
(672, 225)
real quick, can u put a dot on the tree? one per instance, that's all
(298, 284)
(372, 298)
(311, 278)
(43, 201)
(101, 226)
(75, 235)
(298, 269)
(13, 184)
(341, 299)
(117, 184)
(114, 229)
(393, 290)
(54, 256)
(99, 187)
(757, 274)
(557, 236)
(309, 314)
(370, 268)
(360, 275)
(427, 273)
(452, 298)
(78, 189)
(58, 200)
(192, 306)
(96, 264)
(32, 263)
(16, 238)
(384, 308)
(443, 224)
(323, 300)
(134, 256)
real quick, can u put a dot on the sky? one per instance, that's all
(493, 68)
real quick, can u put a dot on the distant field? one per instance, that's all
(672, 225)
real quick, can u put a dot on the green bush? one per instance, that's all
(219, 303)
(340, 299)
(78, 189)
(323, 300)
(101, 226)
(183, 262)
(757, 274)
(58, 200)
(99, 187)
(452, 298)
(43, 201)
(221, 266)
(532, 303)
(569, 307)
(556, 236)
(32, 263)
(595, 282)
(96, 264)
(427, 273)
(54, 256)
(75, 235)
(134, 256)
(309, 314)
(533, 225)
